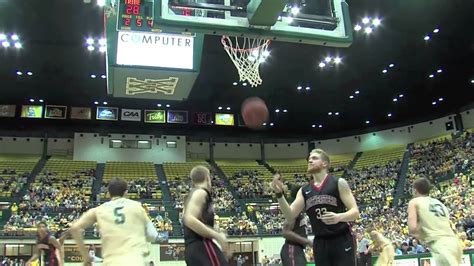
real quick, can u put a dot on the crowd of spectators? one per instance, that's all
(374, 185)
(250, 186)
(271, 221)
(162, 223)
(236, 225)
(24, 222)
(12, 183)
(143, 187)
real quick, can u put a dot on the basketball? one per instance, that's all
(254, 112)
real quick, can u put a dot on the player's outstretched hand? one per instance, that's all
(277, 183)
(330, 218)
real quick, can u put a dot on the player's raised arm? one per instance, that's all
(290, 212)
(194, 206)
(349, 202)
(86, 221)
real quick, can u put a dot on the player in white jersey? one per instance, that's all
(387, 252)
(124, 226)
(428, 220)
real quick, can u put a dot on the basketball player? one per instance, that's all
(198, 222)
(329, 204)
(124, 226)
(387, 252)
(49, 246)
(428, 220)
(292, 252)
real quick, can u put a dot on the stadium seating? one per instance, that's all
(141, 177)
(14, 172)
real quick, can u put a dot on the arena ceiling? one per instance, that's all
(53, 35)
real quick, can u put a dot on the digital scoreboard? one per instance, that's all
(135, 15)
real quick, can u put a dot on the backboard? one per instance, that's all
(318, 22)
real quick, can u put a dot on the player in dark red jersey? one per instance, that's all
(198, 222)
(330, 205)
(49, 246)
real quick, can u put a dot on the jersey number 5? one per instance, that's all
(437, 209)
(119, 216)
(320, 212)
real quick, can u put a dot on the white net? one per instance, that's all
(247, 55)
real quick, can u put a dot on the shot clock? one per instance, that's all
(135, 15)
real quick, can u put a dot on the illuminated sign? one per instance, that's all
(155, 50)
(7, 110)
(32, 111)
(83, 113)
(55, 112)
(178, 117)
(155, 116)
(131, 115)
(202, 118)
(107, 113)
(135, 15)
(225, 119)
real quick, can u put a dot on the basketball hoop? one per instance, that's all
(247, 56)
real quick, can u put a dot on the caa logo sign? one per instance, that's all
(131, 115)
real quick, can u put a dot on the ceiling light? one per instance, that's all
(436, 30)
(328, 59)
(320, 126)
(105, 103)
(102, 41)
(159, 105)
(18, 45)
(228, 108)
(401, 95)
(41, 100)
(244, 84)
(295, 10)
(271, 124)
(5, 44)
(90, 41)
(431, 76)
(266, 53)
(264, 124)
(29, 73)
(313, 126)
(427, 38)
(168, 106)
(307, 88)
(357, 27)
(367, 122)
(472, 81)
(93, 76)
(3, 36)
(219, 108)
(330, 113)
(384, 71)
(391, 65)
(440, 99)
(32, 100)
(96, 102)
(19, 73)
(368, 30)
(322, 64)
(299, 88)
(289, 19)
(433, 103)
(285, 111)
(366, 20)
(235, 83)
(103, 76)
(90, 48)
(356, 92)
(101, 2)
(102, 49)
(395, 99)
(376, 22)
(389, 115)
(351, 97)
(277, 110)
(337, 60)
(439, 70)
(336, 113)
(14, 37)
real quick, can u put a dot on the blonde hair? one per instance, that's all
(199, 174)
(323, 155)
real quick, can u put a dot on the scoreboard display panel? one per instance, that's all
(135, 15)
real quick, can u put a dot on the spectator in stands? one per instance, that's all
(417, 248)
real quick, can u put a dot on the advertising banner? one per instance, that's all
(131, 115)
(32, 111)
(83, 113)
(7, 110)
(107, 113)
(178, 117)
(155, 116)
(55, 112)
